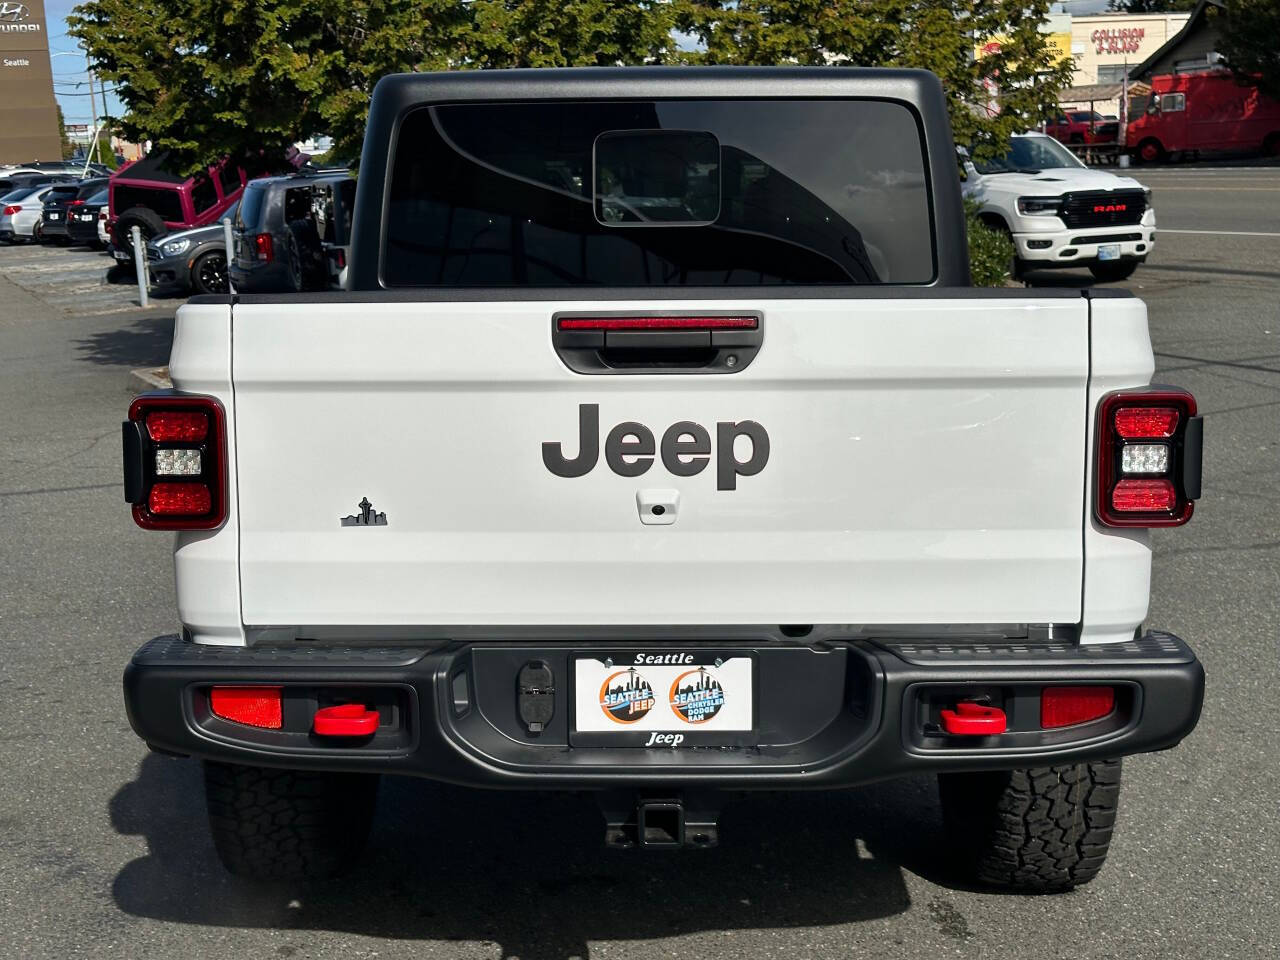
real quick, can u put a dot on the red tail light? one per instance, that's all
(175, 462)
(75, 203)
(1067, 706)
(252, 706)
(1148, 458)
(263, 248)
(10, 210)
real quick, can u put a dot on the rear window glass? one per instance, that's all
(251, 208)
(166, 203)
(665, 193)
(203, 194)
(62, 193)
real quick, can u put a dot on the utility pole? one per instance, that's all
(93, 108)
(102, 89)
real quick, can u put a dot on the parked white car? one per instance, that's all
(20, 212)
(1060, 213)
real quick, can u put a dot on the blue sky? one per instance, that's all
(70, 81)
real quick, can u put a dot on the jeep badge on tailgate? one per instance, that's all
(684, 438)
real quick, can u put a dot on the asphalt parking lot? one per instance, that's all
(104, 850)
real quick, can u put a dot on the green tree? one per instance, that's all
(1151, 6)
(1003, 92)
(1249, 30)
(206, 78)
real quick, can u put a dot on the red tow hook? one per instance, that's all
(345, 720)
(973, 719)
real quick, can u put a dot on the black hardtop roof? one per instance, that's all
(397, 94)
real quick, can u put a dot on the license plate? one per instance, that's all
(85, 217)
(1109, 251)
(650, 698)
(55, 216)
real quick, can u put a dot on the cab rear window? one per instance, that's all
(659, 193)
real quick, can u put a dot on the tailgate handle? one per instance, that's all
(657, 342)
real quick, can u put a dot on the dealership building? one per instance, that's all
(28, 111)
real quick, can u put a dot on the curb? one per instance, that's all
(149, 378)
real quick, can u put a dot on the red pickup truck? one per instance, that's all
(1204, 111)
(1083, 126)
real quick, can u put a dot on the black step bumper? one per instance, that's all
(830, 714)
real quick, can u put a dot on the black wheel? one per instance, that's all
(37, 232)
(209, 273)
(1114, 271)
(148, 222)
(283, 824)
(1042, 830)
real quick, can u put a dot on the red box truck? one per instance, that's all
(1215, 110)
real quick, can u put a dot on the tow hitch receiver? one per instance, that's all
(660, 822)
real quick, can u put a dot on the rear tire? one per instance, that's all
(149, 223)
(1043, 830)
(1113, 272)
(287, 824)
(1151, 151)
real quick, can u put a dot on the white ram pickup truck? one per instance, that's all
(1059, 213)
(661, 450)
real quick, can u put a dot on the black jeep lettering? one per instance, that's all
(728, 466)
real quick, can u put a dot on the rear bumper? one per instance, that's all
(838, 713)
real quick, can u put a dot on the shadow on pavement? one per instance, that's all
(145, 342)
(529, 871)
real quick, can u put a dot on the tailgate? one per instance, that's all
(926, 466)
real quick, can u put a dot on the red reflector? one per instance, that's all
(973, 719)
(254, 706)
(179, 499)
(345, 720)
(177, 426)
(1145, 423)
(659, 323)
(262, 246)
(1144, 496)
(1065, 706)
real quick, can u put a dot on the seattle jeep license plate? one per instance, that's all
(662, 699)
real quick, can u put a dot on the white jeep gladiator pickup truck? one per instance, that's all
(1060, 213)
(661, 450)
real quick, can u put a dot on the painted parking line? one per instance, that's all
(1220, 233)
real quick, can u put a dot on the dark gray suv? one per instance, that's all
(292, 233)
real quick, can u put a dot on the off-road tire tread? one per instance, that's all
(287, 824)
(1044, 830)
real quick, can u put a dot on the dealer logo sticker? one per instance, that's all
(626, 696)
(696, 696)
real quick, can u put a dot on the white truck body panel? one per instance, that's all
(916, 474)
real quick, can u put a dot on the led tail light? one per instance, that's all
(1148, 458)
(175, 462)
(10, 210)
(263, 247)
